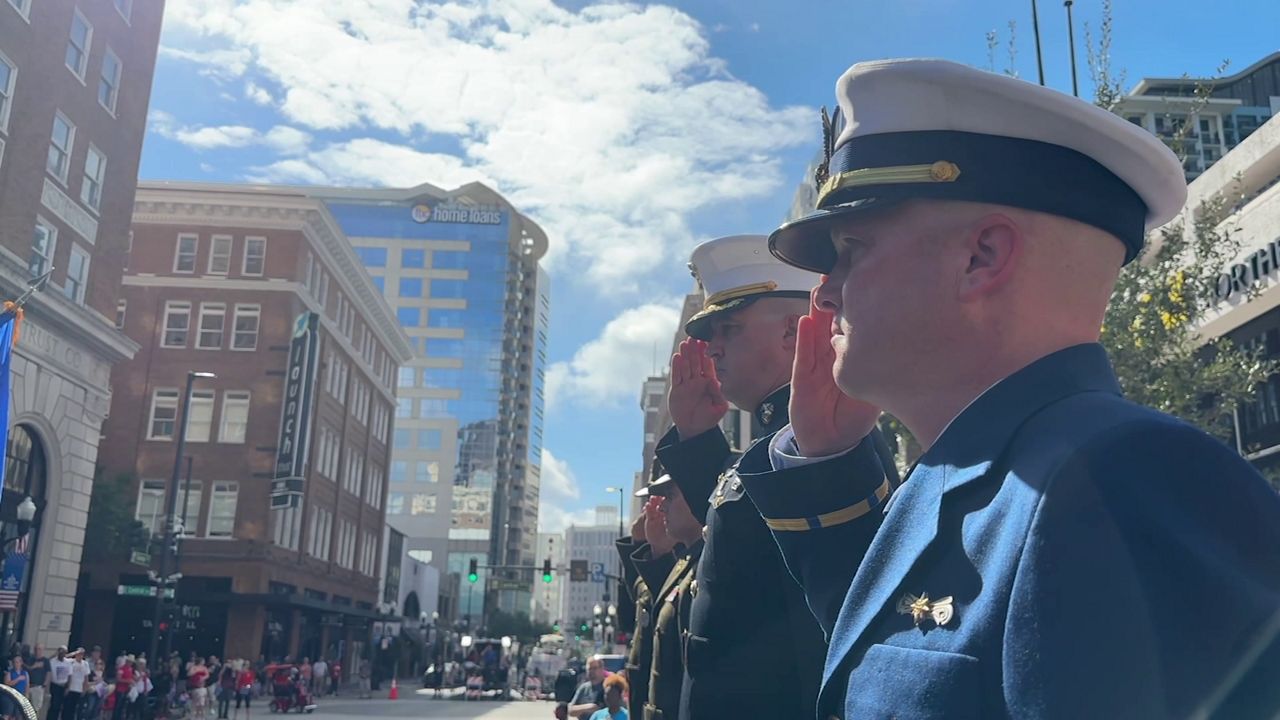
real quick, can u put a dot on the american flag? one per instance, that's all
(10, 587)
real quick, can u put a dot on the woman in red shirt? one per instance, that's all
(244, 690)
(124, 682)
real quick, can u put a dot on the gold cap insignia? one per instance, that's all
(943, 171)
(823, 170)
(921, 607)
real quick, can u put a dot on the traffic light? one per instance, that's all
(546, 570)
(585, 628)
(473, 573)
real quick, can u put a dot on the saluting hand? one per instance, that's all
(825, 420)
(638, 534)
(655, 528)
(695, 401)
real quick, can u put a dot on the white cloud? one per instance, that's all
(557, 477)
(609, 125)
(611, 368)
(207, 138)
(553, 519)
(282, 139)
(365, 160)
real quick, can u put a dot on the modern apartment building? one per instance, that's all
(595, 545)
(260, 287)
(461, 270)
(75, 83)
(1235, 107)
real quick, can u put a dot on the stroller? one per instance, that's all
(288, 691)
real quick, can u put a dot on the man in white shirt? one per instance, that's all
(59, 676)
(319, 677)
(78, 669)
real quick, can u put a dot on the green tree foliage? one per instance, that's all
(111, 530)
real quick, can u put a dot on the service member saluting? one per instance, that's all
(753, 648)
(1057, 551)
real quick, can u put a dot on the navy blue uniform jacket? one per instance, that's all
(1104, 561)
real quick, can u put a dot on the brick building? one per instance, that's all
(223, 279)
(75, 82)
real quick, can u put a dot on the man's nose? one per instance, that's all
(827, 295)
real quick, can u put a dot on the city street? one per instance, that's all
(421, 705)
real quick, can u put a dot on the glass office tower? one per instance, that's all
(460, 269)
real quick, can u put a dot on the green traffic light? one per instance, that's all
(546, 577)
(473, 577)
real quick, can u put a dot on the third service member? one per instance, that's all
(1057, 551)
(681, 534)
(754, 648)
(635, 550)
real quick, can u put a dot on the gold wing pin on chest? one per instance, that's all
(920, 608)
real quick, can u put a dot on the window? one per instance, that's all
(429, 439)
(235, 416)
(184, 259)
(95, 168)
(442, 377)
(77, 274)
(395, 503)
(375, 488)
(399, 470)
(322, 293)
(177, 322)
(255, 257)
(411, 287)
(372, 257)
(413, 258)
(151, 502)
(380, 283)
(443, 347)
(220, 255)
(22, 6)
(422, 504)
(440, 318)
(320, 536)
(428, 471)
(448, 288)
(121, 306)
(404, 408)
(78, 44)
(435, 408)
(244, 331)
(200, 418)
(60, 143)
(43, 243)
(409, 316)
(449, 259)
(407, 376)
(222, 510)
(213, 317)
(8, 73)
(164, 413)
(109, 83)
(401, 440)
(381, 418)
(125, 7)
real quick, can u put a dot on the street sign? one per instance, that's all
(142, 591)
(597, 572)
(578, 571)
(505, 584)
(140, 558)
(285, 492)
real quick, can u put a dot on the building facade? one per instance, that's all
(1204, 129)
(260, 287)
(596, 545)
(460, 269)
(75, 83)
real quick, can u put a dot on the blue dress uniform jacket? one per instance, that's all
(640, 650)
(1058, 552)
(754, 648)
(671, 612)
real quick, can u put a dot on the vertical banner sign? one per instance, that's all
(15, 567)
(295, 420)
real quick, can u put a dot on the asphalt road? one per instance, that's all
(421, 704)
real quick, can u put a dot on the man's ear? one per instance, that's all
(789, 332)
(993, 245)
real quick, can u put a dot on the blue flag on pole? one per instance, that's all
(6, 353)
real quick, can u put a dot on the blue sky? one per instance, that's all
(630, 132)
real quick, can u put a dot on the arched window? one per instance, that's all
(412, 608)
(26, 474)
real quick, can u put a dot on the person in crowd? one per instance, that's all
(319, 677)
(123, 685)
(78, 677)
(244, 689)
(365, 674)
(615, 691)
(589, 697)
(197, 678)
(335, 676)
(306, 670)
(59, 676)
(141, 690)
(226, 689)
(96, 689)
(37, 665)
(18, 679)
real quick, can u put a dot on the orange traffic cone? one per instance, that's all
(395, 691)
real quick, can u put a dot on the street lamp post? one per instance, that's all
(170, 510)
(620, 492)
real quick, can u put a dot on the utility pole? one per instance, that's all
(1071, 41)
(1035, 29)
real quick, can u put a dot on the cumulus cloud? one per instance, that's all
(611, 368)
(282, 139)
(610, 124)
(553, 519)
(557, 478)
(366, 160)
